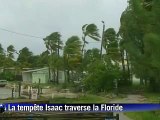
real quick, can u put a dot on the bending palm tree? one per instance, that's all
(72, 54)
(91, 31)
(54, 44)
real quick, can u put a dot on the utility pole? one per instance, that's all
(102, 39)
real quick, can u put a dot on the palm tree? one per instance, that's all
(111, 44)
(72, 54)
(54, 44)
(91, 31)
(2, 56)
(10, 56)
(10, 51)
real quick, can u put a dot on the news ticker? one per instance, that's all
(21, 107)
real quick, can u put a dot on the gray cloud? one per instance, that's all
(42, 17)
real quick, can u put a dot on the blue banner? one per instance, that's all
(21, 107)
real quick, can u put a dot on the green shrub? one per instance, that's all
(7, 76)
(101, 78)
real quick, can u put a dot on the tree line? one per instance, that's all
(72, 56)
(141, 39)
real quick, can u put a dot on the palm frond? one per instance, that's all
(94, 37)
(83, 27)
(92, 29)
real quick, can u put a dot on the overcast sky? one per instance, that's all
(42, 17)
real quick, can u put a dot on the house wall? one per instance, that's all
(61, 77)
(42, 76)
(27, 77)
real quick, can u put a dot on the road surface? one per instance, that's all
(5, 93)
(129, 99)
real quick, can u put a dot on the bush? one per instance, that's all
(7, 76)
(101, 78)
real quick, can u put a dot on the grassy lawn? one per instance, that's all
(82, 99)
(152, 97)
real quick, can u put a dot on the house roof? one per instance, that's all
(35, 70)
(13, 68)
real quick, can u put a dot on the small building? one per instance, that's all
(33, 76)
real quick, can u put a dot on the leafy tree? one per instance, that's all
(140, 34)
(34, 60)
(10, 51)
(2, 56)
(91, 56)
(24, 58)
(101, 76)
(9, 59)
(43, 60)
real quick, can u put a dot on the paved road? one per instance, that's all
(129, 99)
(5, 93)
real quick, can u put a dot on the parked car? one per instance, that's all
(3, 83)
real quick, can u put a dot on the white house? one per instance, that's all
(33, 76)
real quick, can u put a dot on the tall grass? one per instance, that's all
(144, 115)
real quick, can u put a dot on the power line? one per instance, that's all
(28, 35)
(22, 34)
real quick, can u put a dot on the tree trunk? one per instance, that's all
(141, 81)
(64, 68)
(57, 78)
(145, 82)
(84, 39)
(68, 76)
(127, 58)
(54, 76)
(83, 55)
(52, 67)
(123, 65)
(49, 69)
(153, 84)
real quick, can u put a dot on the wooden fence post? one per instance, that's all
(13, 93)
(19, 91)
